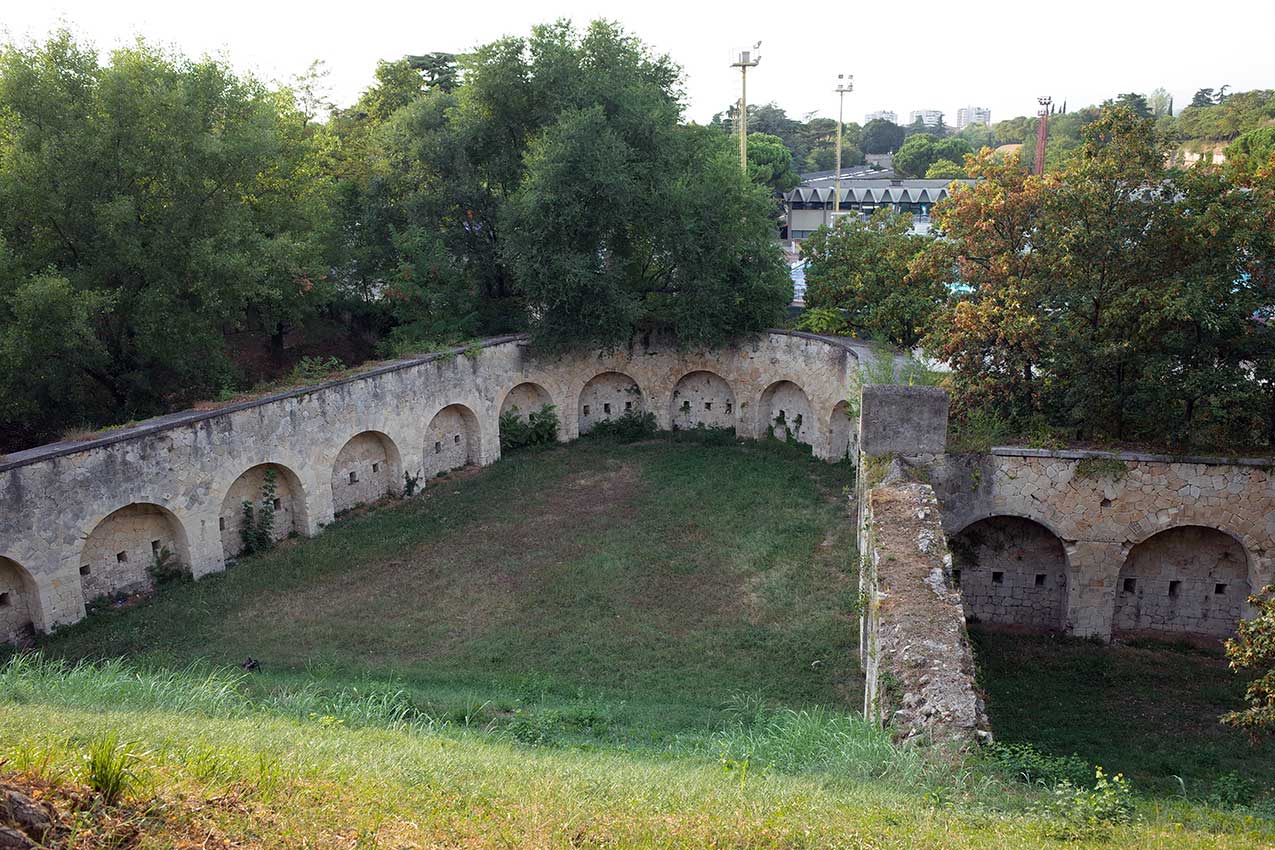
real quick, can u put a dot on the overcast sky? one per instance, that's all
(905, 56)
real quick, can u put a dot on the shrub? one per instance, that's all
(627, 428)
(977, 431)
(315, 368)
(1077, 813)
(539, 429)
(1025, 763)
(829, 321)
(1232, 791)
(166, 568)
(1098, 468)
(257, 529)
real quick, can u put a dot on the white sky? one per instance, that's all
(904, 56)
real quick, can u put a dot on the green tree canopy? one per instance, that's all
(770, 163)
(861, 267)
(881, 136)
(148, 206)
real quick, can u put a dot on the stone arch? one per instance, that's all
(452, 440)
(703, 398)
(1187, 579)
(18, 602)
(785, 412)
(290, 508)
(608, 395)
(120, 550)
(843, 437)
(1011, 570)
(367, 468)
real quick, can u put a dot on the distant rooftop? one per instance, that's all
(875, 190)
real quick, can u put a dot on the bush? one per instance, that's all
(1232, 791)
(539, 429)
(315, 368)
(1025, 763)
(166, 568)
(1078, 813)
(627, 428)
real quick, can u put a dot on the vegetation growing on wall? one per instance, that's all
(540, 428)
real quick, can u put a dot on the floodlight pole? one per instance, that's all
(743, 61)
(844, 84)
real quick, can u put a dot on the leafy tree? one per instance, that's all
(1136, 103)
(1253, 648)
(861, 267)
(684, 244)
(440, 70)
(1251, 151)
(1229, 117)
(147, 206)
(944, 169)
(1161, 102)
(921, 151)
(770, 163)
(1132, 314)
(1203, 97)
(881, 136)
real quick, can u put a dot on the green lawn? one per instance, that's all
(662, 579)
(1149, 710)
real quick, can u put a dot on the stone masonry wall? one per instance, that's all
(1107, 510)
(187, 466)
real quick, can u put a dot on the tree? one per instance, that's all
(921, 151)
(1203, 97)
(861, 267)
(1132, 314)
(439, 69)
(148, 206)
(1136, 103)
(684, 244)
(1251, 151)
(1253, 648)
(770, 163)
(1161, 102)
(881, 136)
(944, 169)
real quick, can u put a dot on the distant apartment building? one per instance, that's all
(967, 115)
(882, 115)
(929, 117)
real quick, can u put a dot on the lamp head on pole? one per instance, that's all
(746, 57)
(845, 83)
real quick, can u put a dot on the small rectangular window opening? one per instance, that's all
(728, 407)
(155, 547)
(85, 570)
(4, 600)
(121, 557)
(1130, 584)
(354, 477)
(956, 578)
(1219, 589)
(376, 467)
(221, 523)
(606, 408)
(998, 577)
(586, 410)
(277, 504)
(708, 405)
(1174, 587)
(1040, 579)
(628, 405)
(438, 447)
(456, 439)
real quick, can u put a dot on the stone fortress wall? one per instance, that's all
(1102, 544)
(83, 519)
(1145, 543)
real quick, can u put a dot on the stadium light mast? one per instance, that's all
(743, 60)
(845, 83)
(1042, 133)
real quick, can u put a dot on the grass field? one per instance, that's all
(607, 645)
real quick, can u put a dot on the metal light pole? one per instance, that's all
(744, 59)
(845, 83)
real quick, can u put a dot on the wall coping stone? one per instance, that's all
(1137, 457)
(157, 424)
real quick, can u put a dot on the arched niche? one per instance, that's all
(786, 413)
(288, 504)
(120, 551)
(524, 399)
(702, 398)
(1011, 570)
(452, 440)
(609, 395)
(1190, 579)
(367, 468)
(842, 434)
(17, 602)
